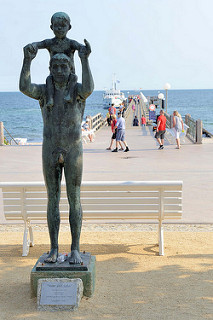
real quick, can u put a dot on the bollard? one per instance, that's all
(199, 131)
(90, 121)
(171, 121)
(1, 134)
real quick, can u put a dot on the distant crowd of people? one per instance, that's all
(118, 128)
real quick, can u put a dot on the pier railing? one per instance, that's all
(195, 130)
(144, 107)
(4, 140)
(128, 108)
(97, 121)
(169, 120)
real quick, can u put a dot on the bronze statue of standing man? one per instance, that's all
(62, 143)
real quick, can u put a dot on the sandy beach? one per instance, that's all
(132, 281)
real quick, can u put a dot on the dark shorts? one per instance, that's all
(114, 135)
(160, 134)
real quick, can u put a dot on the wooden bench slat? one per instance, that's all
(114, 193)
(134, 200)
(12, 208)
(130, 188)
(91, 206)
(12, 202)
(12, 195)
(172, 201)
(175, 194)
(172, 207)
(85, 201)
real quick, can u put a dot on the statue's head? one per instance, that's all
(60, 67)
(60, 24)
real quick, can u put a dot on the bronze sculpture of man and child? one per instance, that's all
(62, 101)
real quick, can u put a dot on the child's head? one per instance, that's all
(60, 24)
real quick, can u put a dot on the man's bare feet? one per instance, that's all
(52, 257)
(75, 257)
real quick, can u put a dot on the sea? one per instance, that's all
(22, 118)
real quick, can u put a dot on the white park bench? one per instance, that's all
(102, 202)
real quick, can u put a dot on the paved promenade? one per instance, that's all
(192, 164)
(132, 281)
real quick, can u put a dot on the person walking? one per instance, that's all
(114, 132)
(161, 129)
(112, 110)
(177, 127)
(108, 119)
(135, 122)
(120, 136)
(143, 121)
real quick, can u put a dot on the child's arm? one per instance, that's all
(40, 44)
(76, 45)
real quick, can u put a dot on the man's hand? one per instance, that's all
(85, 51)
(30, 51)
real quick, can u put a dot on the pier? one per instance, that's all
(192, 164)
(131, 278)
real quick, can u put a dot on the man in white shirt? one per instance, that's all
(120, 136)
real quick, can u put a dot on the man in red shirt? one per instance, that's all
(161, 129)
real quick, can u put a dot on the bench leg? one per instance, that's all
(31, 236)
(161, 240)
(25, 242)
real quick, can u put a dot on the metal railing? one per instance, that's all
(4, 140)
(195, 127)
(194, 131)
(128, 108)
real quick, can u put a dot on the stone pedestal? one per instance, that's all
(85, 271)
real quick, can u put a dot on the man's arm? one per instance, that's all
(29, 89)
(86, 88)
(158, 123)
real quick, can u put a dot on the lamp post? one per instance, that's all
(166, 87)
(127, 99)
(161, 97)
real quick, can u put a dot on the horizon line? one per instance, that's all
(140, 89)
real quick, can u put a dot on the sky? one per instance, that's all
(146, 43)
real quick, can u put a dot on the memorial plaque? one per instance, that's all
(59, 294)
